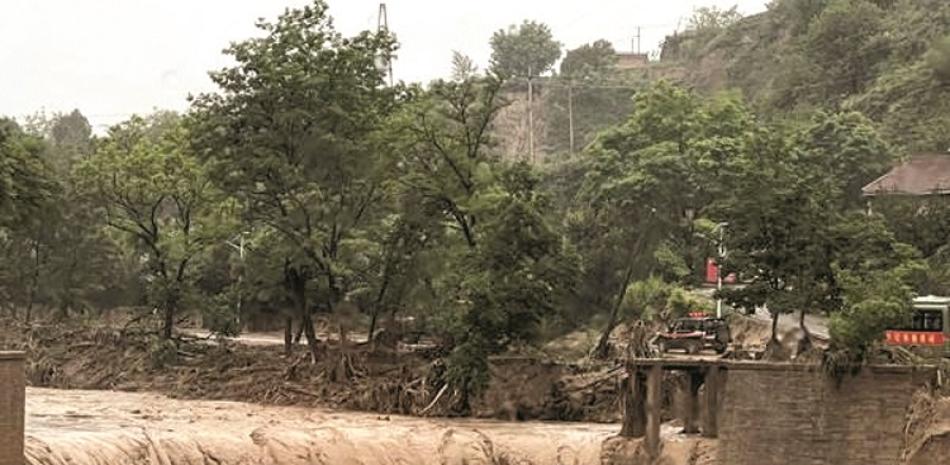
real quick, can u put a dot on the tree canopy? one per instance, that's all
(524, 51)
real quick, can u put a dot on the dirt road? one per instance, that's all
(100, 427)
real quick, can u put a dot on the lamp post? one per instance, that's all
(721, 252)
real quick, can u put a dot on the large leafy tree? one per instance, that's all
(503, 264)
(291, 133)
(150, 189)
(28, 194)
(794, 213)
(589, 61)
(524, 51)
(649, 183)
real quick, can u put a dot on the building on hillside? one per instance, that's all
(631, 60)
(922, 175)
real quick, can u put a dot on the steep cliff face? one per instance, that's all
(885, 58)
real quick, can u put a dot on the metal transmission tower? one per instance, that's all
(385, 63)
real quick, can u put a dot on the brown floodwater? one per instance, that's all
(118, 428)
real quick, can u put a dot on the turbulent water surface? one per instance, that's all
(113, 428)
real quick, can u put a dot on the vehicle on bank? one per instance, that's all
(694, 334)
(929, 329)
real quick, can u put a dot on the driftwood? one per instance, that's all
(438, 396)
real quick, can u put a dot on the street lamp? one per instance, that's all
(721, 256)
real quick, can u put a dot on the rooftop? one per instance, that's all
(920, 175)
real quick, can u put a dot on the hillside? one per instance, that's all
(889, 59)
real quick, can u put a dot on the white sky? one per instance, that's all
(112, 58)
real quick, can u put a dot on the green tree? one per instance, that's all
(840, 42)
(648, 183)
(503, 265)
(28, 193)
(291, 133)
(938, 57)
(150, 189)
(524, 51)
(873, 302)
(711, 19)
(589, 61)
(846, 150)
(462, 66)
(794, 214)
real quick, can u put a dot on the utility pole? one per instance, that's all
(382, 25)
(240, 248)
(721, 255)
(635, 42)
(530, 117)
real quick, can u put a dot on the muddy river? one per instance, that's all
(114, 428)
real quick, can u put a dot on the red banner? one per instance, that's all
(914, 338)
(712, 273)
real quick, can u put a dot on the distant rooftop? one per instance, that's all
(632, 60)
(922, 174)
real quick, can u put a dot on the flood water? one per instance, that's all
(114, 428)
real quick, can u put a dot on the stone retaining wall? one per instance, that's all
(800, 416)
(12, 389)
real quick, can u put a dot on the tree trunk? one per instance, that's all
(288, 336)
(804, 344)
(775, 326)
(34, 281)
(312, 341)
(376, 306)
(603, 346)
(372, 325)
(801, 324)
(299, 334)
(306, 321)
(169, 322)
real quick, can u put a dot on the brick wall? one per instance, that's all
(12, 385)
(786, 416)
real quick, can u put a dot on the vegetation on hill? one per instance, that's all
(887, 59)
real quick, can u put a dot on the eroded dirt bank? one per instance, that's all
(355, 378)
(108, 428)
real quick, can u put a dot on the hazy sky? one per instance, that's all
(112, 58)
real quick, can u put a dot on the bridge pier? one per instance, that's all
(12, 402)
(713, 384)
(691, 402)
(654, 407)
(644, 404)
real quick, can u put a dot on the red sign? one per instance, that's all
(712, 273)
(914, 338)
(697, 314)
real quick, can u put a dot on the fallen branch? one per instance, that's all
(438, 396)
(301, 391)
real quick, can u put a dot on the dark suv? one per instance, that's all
(694, 335)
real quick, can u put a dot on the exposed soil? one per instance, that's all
(357, 377)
